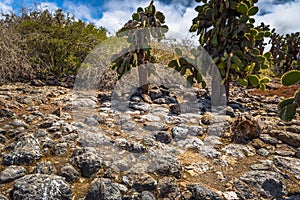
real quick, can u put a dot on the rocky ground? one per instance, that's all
(152, 149)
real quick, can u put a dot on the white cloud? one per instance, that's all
(79, 10)
(117, 13)
(49, 6)
(283, 17)
(5, 7)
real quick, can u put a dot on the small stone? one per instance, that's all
(11, 173)
(140, 106)
(166, 166)
(38, 83)
(2, 197)
(44, 168)
(166, 186)
(41, 186)
(239, 150)
(209, 151)
(155, 94)
(163, 137)
(230, 112)
(25, 151)
(146, 98)
(263, 152)
(6, 113)
(297, 154)
(70, 173)
(88, 161)
(175, 109)
(19, 123)
(156, 126)
(205, 119)
(140, 181)
(146, 195)
(290, 138)
(258, 183)
(61, 149)
(291, 165)
(179, 133)
(200, 192)
(230, 196)
(102, 188)
(245, 129)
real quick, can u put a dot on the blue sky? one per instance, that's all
(283, 15)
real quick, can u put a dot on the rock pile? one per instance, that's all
(159, 147)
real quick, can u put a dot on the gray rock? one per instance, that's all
(166, 166)
(293, 197)
(294, 129)
(297, 154)
(26, 150)
(155, 93)
(291, 165)
(139, 106)
(165, 100)
(290, 138)
(3, 139)
(230, 195)
(213, 140)
(6, 112)
(44, 167)
(239, 150)
(2, 197)
(166, 186)
(156, 126)
(61, 148)
(261, 184)
(175, 109)
(41, 186)
(102, 188)
(70, 173)
(268, 139)
(140, 181)
(128, 125)
(18, 123)
(87, 160)
(47, 123)
(190, 143)
(179, 133)
(262, 152)
(146, 195)
(209, 151)
(200, 192)
(11, 173)
(163, 137)
(134, 147)
(229, 111)
(195, 130)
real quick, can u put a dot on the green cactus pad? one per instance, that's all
(290, 78)
(285, 102)
(288, 112)
(253, 80)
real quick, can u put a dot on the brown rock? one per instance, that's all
(245, 129)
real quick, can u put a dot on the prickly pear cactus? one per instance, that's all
(145, 24)
(226, 30)
(287, 108)
(285, 50)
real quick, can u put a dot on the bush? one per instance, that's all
(46, 43)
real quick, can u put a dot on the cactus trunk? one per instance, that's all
(143, 72)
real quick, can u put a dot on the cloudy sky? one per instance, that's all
(283, 15)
